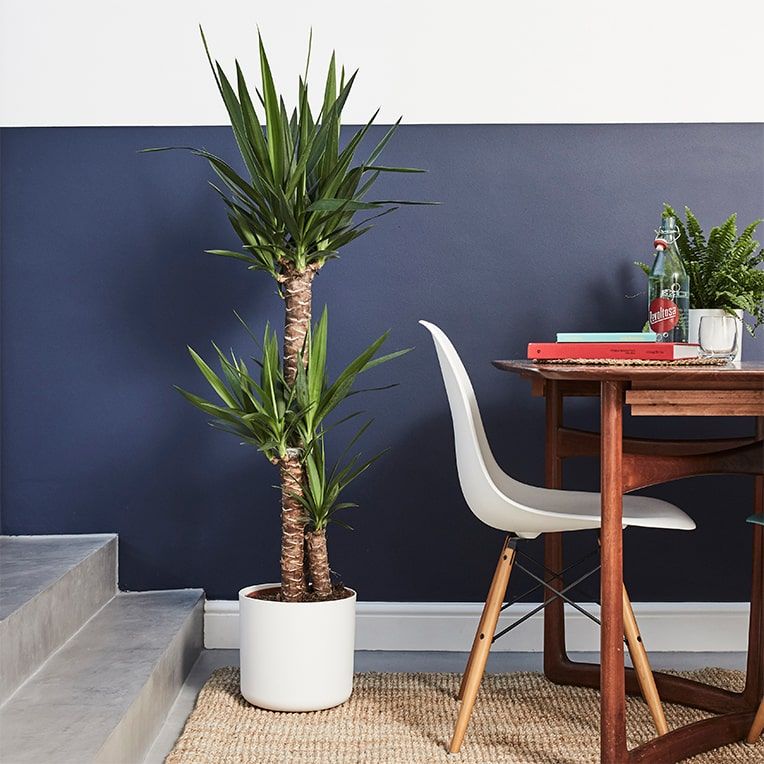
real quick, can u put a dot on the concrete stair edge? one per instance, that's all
(44, 622)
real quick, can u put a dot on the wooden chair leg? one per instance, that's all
(642, 666)
(481, 646)
(758, 725)
(481, 624)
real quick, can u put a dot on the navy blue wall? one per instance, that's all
(104, 284)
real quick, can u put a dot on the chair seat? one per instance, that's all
(577, 510)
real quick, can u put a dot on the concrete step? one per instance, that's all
(104, 695)
(49, 587)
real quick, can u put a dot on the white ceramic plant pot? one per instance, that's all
(694, 327)
(296, 656)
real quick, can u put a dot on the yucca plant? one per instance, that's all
(293, 204)
(724, 268)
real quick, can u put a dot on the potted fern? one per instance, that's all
(293, 206)
(724, 269)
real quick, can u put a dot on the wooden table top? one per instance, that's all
(748, 374)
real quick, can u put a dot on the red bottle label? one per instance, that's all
(664, 315)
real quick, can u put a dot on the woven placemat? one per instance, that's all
(632, 362)
(408, 719)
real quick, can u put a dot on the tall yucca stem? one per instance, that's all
(293, 586)
(297, 314)
(298, 297)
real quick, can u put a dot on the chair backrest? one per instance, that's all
(477, 468)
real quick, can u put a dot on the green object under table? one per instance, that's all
(758, 519)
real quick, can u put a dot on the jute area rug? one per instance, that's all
(408, 719)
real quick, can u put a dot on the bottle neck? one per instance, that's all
(667, 234)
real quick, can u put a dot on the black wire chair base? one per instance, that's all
(546, 585)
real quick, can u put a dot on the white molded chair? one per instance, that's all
(526, 511)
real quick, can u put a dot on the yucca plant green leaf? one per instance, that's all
(318, 396)
(324, 485)
(262, 413)
(314, 392)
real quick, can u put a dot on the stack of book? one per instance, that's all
(640, 346)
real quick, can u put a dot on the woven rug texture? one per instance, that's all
(408, 719)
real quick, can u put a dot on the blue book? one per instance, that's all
(606, 337)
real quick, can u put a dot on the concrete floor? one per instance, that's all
(380, 660)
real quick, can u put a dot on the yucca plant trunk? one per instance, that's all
(297, 314)
(318, 563)
(293, 586)
(298, 297)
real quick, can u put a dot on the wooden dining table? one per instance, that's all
(626, 464)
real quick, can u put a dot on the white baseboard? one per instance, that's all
(450, 626)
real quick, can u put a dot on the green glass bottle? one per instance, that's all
(668, 293)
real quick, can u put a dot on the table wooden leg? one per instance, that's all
(754, 685)
(612, 680)
(555, 653)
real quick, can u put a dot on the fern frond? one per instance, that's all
(696, 237)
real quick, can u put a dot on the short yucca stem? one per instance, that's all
(318, 563)
(293, 587)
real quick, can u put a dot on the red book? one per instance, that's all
(643, 351)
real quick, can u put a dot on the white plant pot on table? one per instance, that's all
(694, 325)
(296, 656)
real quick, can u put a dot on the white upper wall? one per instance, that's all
(140, 62)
